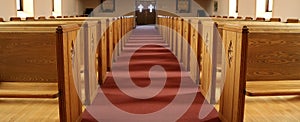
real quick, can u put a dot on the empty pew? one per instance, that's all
(275, 71)
(99, 36)
(85, 64)
(30, 19)
(275, 20)
(15, 19)
(38, 56)
(289, 20)
(235, 72)
(113, 33)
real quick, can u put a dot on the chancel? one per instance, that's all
(149, 60)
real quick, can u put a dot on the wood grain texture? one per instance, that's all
(271, 88)
(28, 90)
(273, 57)
(23, 51)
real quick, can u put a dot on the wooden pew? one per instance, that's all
(46, 51)
(85, 61)
(15, 19)
(42, 18)
(112, 40)
(260, 19)
(289, 20)
(235, 72)
(30, 19)
(99, 36)
(248, 18)
(275, 20)
(265, 92)
(275, 71)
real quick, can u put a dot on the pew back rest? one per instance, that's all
(41, 56)
(28, 56)
(273, 52)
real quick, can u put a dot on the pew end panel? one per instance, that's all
(232, 98)
(195, 39)
(212, 59)
(69, 102)
(44, 41)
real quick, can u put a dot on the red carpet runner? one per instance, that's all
(151, 63)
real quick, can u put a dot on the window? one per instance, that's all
(269, 5)
(19, 5)
(53, 5)
(237, 6)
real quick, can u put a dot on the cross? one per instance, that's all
(141, 7)
(150, 7)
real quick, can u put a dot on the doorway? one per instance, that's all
(145, 12)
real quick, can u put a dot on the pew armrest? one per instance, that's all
(28, 90)
(273, 88)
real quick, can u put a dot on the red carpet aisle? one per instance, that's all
(176, 99)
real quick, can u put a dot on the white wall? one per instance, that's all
(223, 8)
(247, 8)
(123, 7)
(42, 8)
(68, 7)
(8, 9)
(286, 9)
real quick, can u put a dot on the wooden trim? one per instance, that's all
(99, 32)
(260, 19)
(61, 74)
(29, 95)
(243, 72)
(189, 48)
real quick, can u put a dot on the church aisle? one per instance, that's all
(148, 62)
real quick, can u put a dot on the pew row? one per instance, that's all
(179, 34)
(235, 71)
(43, 55)
(84, 65)
(264, 64)
(212, 33)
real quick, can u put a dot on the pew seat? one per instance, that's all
(273, 88)
(28, 90)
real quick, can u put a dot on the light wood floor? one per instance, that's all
(29, 110)
(272, 109)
